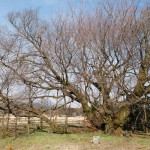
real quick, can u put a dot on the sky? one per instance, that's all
(47, 8)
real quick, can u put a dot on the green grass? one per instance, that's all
(43, 141)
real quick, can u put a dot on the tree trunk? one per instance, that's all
(108, 122)
(145, 119)
(118, 120)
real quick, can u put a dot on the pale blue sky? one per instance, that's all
(46, 7)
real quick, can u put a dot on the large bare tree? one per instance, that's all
(99, 59)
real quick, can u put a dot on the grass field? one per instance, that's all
(45, 141)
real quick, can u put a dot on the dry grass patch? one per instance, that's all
(45, 141)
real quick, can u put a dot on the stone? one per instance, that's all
(96, 140)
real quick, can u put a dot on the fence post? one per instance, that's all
(16, 127)
(3, 126)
